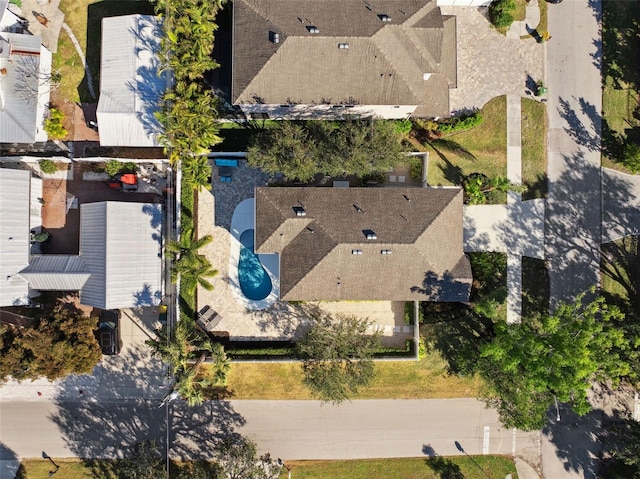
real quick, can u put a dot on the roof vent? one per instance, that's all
(384, 17)
(385, 252)
(313, 29)
(358, 209)
(274, 37)
(370, 234)
(356, 251)
(343, 46)
(299, 211)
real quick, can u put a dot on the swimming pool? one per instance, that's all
(255, 282)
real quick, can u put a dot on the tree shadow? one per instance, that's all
(10, 464)
(451, 286)
(107, 429)
(621, 263)
(617, 54)
(445, 468)
(585, 135)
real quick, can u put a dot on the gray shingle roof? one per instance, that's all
(421, 228)
(384, 64)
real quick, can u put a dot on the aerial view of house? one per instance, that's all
(319, 238)
(301, 59)
(400, 244)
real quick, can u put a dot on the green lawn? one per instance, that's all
(534, 158)
(482, 149)
(406, 468)
(620, 267)
(425, 379)
(535, 287)
(621, 41)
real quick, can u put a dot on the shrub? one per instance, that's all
(461, 123)
(408, 313)
(403, 127)
(501, 13)
(631, 156)
(53, 125)
(415, 167)
(48, 166)
(113, 167)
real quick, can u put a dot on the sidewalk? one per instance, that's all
(516, 228)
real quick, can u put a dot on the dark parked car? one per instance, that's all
(109, 332)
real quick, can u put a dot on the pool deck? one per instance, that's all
(281, 320)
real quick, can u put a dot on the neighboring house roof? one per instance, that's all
(25, 66)
(3, 8)
(419, 229)
(386, 62)
(130, 85)
(14, 236)
(53, 272)
(121, 245)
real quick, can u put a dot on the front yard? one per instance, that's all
(620, 42)
(424, 379)
(482, 149)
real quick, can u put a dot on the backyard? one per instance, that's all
(84, 18)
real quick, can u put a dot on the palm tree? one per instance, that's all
(194, 273)
(187, 247)
(197, 172)
(185, 352)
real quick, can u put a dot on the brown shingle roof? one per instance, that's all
(422, 229)
(384, 64)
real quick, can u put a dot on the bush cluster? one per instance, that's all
(461, 123)
(53, 125)
(48, 166)
(501, 13)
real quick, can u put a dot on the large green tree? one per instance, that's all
(61, 342)
(238, 459)
(528, 366)
(144, 461)
(337, 356)
(301, 149)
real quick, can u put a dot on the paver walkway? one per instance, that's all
(490, 64)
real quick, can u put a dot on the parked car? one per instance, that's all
(109, 332)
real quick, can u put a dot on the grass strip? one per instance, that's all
(534, 158)
(424, 379)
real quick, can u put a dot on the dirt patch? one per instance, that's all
(54, 194)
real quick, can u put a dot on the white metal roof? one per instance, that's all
(53, 272)
(3, 7)
(14, 235)
(121, 244)
(130, 87)
(21, 119)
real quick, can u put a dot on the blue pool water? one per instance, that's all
(254, 281)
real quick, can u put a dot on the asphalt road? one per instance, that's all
(573, 214)
(286, 429)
